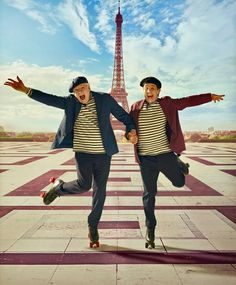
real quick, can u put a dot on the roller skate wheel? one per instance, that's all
(153, 245)
(149, 245)
(94, 244)
(42, 194)
(52, 179)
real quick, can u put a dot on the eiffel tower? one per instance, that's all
(118, 82)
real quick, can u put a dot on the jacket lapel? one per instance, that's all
(98, 104)
(77, 108)
(137, 110)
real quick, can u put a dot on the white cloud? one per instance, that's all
(74, 14)
(20, 4)
(150, 2)
(20, 113)
(198, 58)
(207, 31)
(147, 23)
(38, 17)
(201, 52)
(36, 11)
(103, 21)
(150, 24)
(142, 19)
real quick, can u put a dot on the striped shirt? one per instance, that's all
(152, 130)
(87, 135)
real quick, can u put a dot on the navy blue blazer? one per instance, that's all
(105, 105)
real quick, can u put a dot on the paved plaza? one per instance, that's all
(45, 245)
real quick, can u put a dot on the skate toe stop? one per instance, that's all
(52, 179)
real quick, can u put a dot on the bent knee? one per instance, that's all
(179, 183)
(86, 186)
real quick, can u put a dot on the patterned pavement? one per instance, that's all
(195, 237)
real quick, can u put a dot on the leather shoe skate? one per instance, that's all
(183, 166)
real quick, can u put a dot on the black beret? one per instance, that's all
(77, 81)
(152, 80)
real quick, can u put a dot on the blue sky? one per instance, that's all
(189, 45)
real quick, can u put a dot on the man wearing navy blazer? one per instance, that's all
(87, 129)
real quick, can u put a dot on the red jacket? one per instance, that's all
(170, 108)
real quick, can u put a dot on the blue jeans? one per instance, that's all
(150, 167)
(92, 171)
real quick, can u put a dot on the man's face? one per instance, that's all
(82, 93)
(151, 92)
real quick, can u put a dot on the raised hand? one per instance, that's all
(216, 97)
(17, 84)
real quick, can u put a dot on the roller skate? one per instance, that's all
(93, 236)
(150, 237)
(51, 195)
(183, 166)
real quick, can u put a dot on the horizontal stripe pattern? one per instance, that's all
(87, 135)
(152, 130)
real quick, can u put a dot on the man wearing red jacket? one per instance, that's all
(160, 142)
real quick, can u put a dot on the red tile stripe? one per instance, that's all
(56, 151)
(230, 171)
(206, 162)
(25, 161)
(119, 257)
(118, 225)
(198, 188)
(34, 185)
(228, 211)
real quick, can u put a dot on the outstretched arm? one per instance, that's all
(216, 97)
(17, 85)
(195, 100)
(48, 99)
